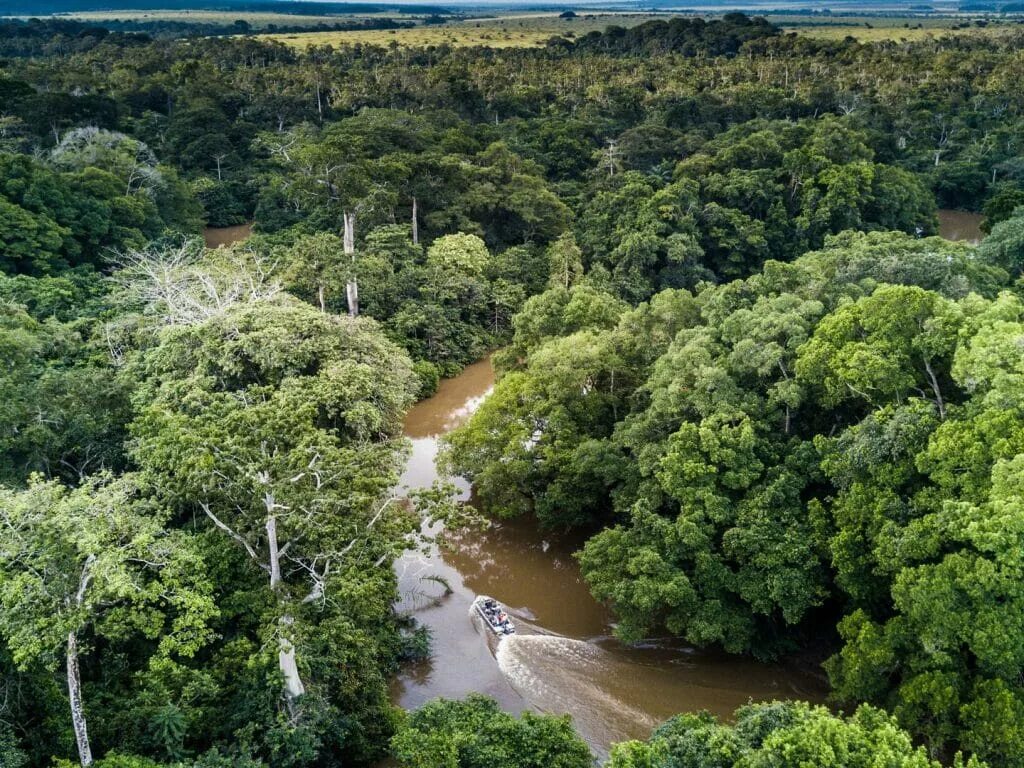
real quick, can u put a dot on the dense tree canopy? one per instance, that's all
(829, 435)
(732, 355)
(777, 734)
(474, 733)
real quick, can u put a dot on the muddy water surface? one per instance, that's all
(563, 658)
(215, 237)
(961, 225)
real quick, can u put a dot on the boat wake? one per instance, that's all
(559, 675)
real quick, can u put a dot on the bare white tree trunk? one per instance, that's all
(935, 388)
(415, 223)
(75, 696)
(349, 235)
(75, 677)
(352, 287)
(352, 294)
(293, 686)
(274, 551)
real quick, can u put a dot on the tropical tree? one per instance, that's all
(1004, 246)
(280, 423)
(778, 734)
(475, 733)
(93, 562)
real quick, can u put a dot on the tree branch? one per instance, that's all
(248, 547)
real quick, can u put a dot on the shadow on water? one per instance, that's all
(563, 658)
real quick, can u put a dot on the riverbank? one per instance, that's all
(564, 659)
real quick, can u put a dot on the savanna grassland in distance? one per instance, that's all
(513, 30)
(867, 28)
(533, 29)
(527, 30)
(256, 20)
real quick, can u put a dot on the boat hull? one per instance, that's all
(489, 610)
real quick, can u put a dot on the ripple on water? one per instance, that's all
(565, 676)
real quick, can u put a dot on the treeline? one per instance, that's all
(686, 36)
(292, 7)
(953, 126)
(475, 734)
(35, 37)
(172, 29)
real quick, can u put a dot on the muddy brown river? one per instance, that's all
(961, 225)
(215, 237)
(563, 658)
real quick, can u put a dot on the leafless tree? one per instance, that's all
(184, 285)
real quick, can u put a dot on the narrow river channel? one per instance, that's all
(563, 658)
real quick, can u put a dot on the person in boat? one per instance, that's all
(503, 618)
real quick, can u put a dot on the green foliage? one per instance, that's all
(881, 348)
(717, 37)
(83, 203)
(313, 268)
(778, 734)
(448, 307)
(429, 377)
(538, 444)
(79, 559)
(557, 312)
(280, 423)
(834, 433)
(92, 566)
(1001, 205)
(462, 255)
(646, 237)
(809, 440)
(565, 260)
(474, 733)
(75, 293)
(932, 530)
(10, 755)
(1004, 246)
(115, 760)
(224, 203)
(63, 411)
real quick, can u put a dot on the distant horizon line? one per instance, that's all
(80, 6)
(68, 8)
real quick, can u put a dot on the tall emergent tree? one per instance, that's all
(281, 424)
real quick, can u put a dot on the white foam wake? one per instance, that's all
(564, 676)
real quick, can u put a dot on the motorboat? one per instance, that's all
(494, 615)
